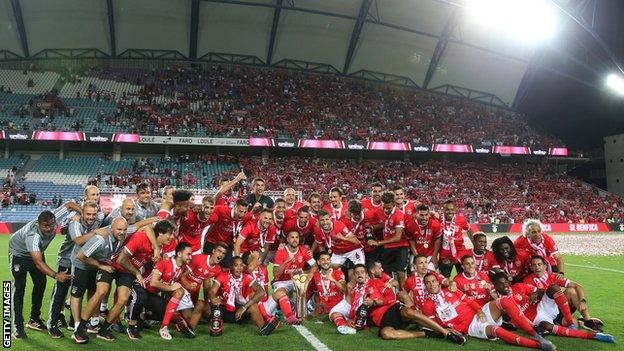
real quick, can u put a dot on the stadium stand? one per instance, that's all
(27, 82)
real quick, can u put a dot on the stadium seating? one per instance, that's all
(84, 84)
(7, 164)
(73, 170)
(17, 80)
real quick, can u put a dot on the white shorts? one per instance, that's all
(284, 284)
(341, 307)
(547, 310)
(356, 256)
(477, 328)
(185, 302)
(270, 306)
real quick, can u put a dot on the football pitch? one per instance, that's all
(601, 276)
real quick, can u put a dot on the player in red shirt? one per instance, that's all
(414, 287)
(535, 242)
(224, 196)
(333, 236)
(390, 315)
(482, 256)
(289, 260)
(559, 294)
(292, 205)
(506, 258)
(395, 245)
(476, 285)
(194, 226)
(226, 224)
(361, 223)
(129, 265)
(239, 294)
(179, 213)
(201, 270)
(425, 234)
(406, 206)
(455, 310)
(453, 227)
(373, 202)
(257, 235)
(316, 204)
(164, 277)
(385, 283)
(526, 296)
(336, 208)
(303, 223)
(330, 285)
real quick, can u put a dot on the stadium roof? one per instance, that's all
(429, 42)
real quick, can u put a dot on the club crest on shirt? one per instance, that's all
(16, 268)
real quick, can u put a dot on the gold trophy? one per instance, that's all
(301, 281)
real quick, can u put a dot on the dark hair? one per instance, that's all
(371, 264)
(422, 207)
(237, 258)
(359, 265)
(387, 197)
(322, 213)
(181, 195)
(279, 200)
(181, 246)
(538, 257)
(324, 253)
(164, 226)
(305, 209)
(478, 234)
(46, 216)
(449, 202)
(220, 244)
(496, 245)
(355, 206)
(397, 187)
(242, 202)
(142, 186)
(267, 210)
(377, 185)
(293, 231)
(314, 194)
(430, 274)
(498, 275)
(418, 256)
(336, 190)
(209, 199)
(257, 179)
(465, 257)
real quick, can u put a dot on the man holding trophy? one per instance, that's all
(289, 276)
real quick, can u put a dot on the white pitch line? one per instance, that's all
(311, 338)
(596, 268)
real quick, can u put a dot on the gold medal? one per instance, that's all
(426, 245)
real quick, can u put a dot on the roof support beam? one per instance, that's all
(355, 34)
(19, 20)
(110, 11)
(276, 17)
(194, 29)
(451, 23)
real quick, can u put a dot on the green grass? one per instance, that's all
(603, 290)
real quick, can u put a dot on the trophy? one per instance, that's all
(301, 281)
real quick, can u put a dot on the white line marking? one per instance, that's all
(311, 338)
(594, 267)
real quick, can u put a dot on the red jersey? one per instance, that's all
(547, 248)
(369, 289)
(291, 212)
(408, 208)
(545, 280)
(163, 214)
(358, 228)
(517, 268)
(201, 270)
(336, 213)
(328, 291)
(224, 227)
(415, 286)
(234, 291)
(423, 235)
(483, 262)
(520, 293)
(369, 205)
(477, 288)
(391, 223)
(255, 238)
(387, 293)
(169, 271)
(190, 230)
(330, 240)
(300, 258)
(223, 200)
(453, 237)
(450, 309)
(306, 232)
(261, 276)
(139, 250)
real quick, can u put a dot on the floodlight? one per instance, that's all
(616, 83)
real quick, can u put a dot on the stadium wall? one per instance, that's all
(614, 161)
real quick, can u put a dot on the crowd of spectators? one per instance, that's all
(14, 194)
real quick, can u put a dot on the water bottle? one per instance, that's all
(216, 321)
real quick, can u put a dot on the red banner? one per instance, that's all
(321, 144)
(61, 136)
(126, 138)
(558, 151)
(452, 148)
(512, 150)
(388, 146)
(549, 227)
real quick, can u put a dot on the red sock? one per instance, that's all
(263, 312)
(514, 339)
(340, 321)
(580, 334)
(562, 302)
(518, 318)
(284, 305)
(170, 310)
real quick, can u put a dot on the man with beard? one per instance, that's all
(425, 234)
(292, 205)
(331, 287)
(361, 223)
(389, 315)
(97, 253)
(224, 196)
(257, 236)
(202, 269)
(162, 295)
(240, 293)
(479, 253)
(336, 207)
(316, 204)
(453, 227)
(333, 236)
(506, 258)
(144, 206)
(225, 225)
(373, 202)
(304, 224)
